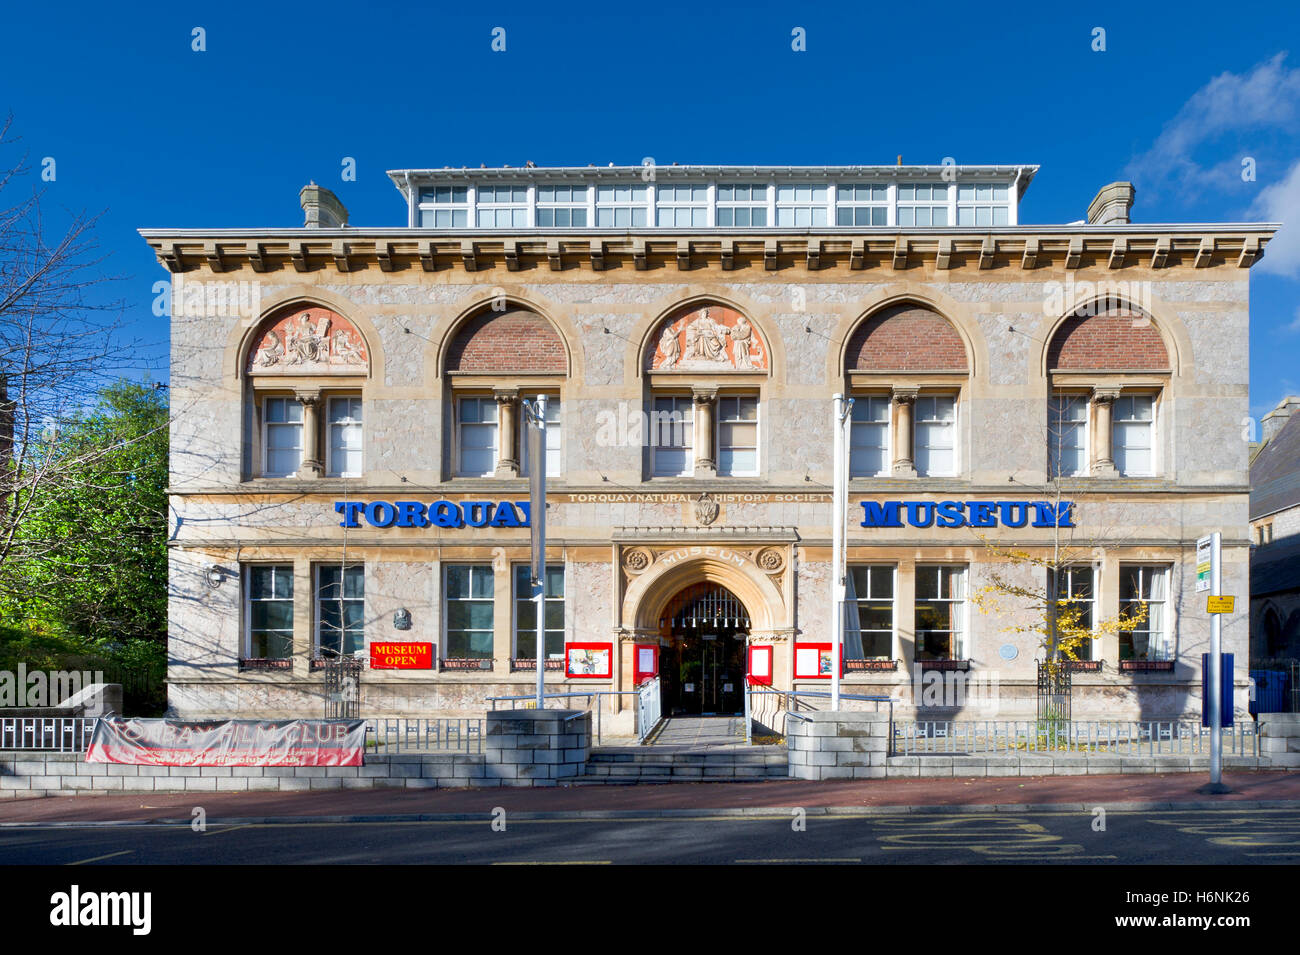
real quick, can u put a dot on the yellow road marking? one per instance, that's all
(782, 861)
(217, 832)
(98, 858)
(542, 862)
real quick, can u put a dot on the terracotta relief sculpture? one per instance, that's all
(709, 338)
(310, 341)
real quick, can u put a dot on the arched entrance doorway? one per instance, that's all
(702, 636)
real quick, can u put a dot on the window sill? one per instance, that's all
(944, 664)
(860, 666)
(1141, 666)
(525, 665)
(1084, 666)
(455, 663)
(266, 663)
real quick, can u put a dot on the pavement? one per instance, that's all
(1155, 791)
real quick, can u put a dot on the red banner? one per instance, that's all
(401, 656)
(228, 742)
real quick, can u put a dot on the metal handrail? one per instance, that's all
(560, 696)
(786, 696)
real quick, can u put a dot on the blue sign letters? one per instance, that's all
(967, 514)
(437, 514)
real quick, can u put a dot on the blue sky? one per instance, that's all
(155, 134)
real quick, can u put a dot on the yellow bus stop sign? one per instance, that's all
(1219, 604)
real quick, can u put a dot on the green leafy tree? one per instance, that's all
(94, 543)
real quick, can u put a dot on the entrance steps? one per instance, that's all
(627, 765)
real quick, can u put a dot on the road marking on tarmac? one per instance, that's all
(99, 858)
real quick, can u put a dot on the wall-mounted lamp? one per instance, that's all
(214, 576)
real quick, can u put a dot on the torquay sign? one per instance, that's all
(967, 513)
(437, 514)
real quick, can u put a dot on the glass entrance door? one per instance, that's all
(702, 656)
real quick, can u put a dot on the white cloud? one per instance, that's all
(1267, 97)
(1280, 202)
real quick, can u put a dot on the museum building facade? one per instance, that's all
(350, 475)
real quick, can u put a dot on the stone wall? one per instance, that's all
(843, 745)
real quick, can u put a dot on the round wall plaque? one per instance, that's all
(1008, 651)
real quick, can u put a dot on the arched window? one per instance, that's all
(906, 367)
(496, 359)
(305, 370)
(705, 364)
(1108, 366)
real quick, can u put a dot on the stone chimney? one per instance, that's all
(1276, 419)
(321, 209)
(1112, 204)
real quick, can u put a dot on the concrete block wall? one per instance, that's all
(1279, 738)
(838, 745)
(536, 747)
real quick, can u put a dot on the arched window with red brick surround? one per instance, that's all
(496, 359)
(907, 368)
(1108, 366)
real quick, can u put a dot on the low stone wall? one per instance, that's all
(48, 774)
(523, 748)
(838, 745)
(536, 747)
(1279, 738)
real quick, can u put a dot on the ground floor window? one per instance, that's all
(468, 611)
(940, 612)
(869, 618)
(1145, 586)
(1076, 595)
(526, 614)
(340, 610)
(268, 611)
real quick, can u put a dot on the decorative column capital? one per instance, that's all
(1105, 396)
(308, 398)
(905, 396)
(703, 394)
(505, 395)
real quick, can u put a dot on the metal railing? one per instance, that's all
(430, 735)
(1083, 737)
(788, 704)
(530, 700)
(648, 708)
(55, 734)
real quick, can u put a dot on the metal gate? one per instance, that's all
(343, 688)
(1054, 691)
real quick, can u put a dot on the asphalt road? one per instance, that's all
(1193, 837)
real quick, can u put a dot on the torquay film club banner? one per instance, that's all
(155, 742)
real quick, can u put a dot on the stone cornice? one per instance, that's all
(1013, 247)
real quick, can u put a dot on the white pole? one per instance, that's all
(837, 549)
(1216, 672)
(539, 643)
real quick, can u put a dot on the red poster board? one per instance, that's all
(589, 661)
(758, 666)
(645, 662)
(401, 656)
(812, 661)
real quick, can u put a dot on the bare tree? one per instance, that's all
(60, 343)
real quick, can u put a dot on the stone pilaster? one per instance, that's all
(904, 403)
(507, 432)
(1103, 457)
(313, 462)
(705, 461)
